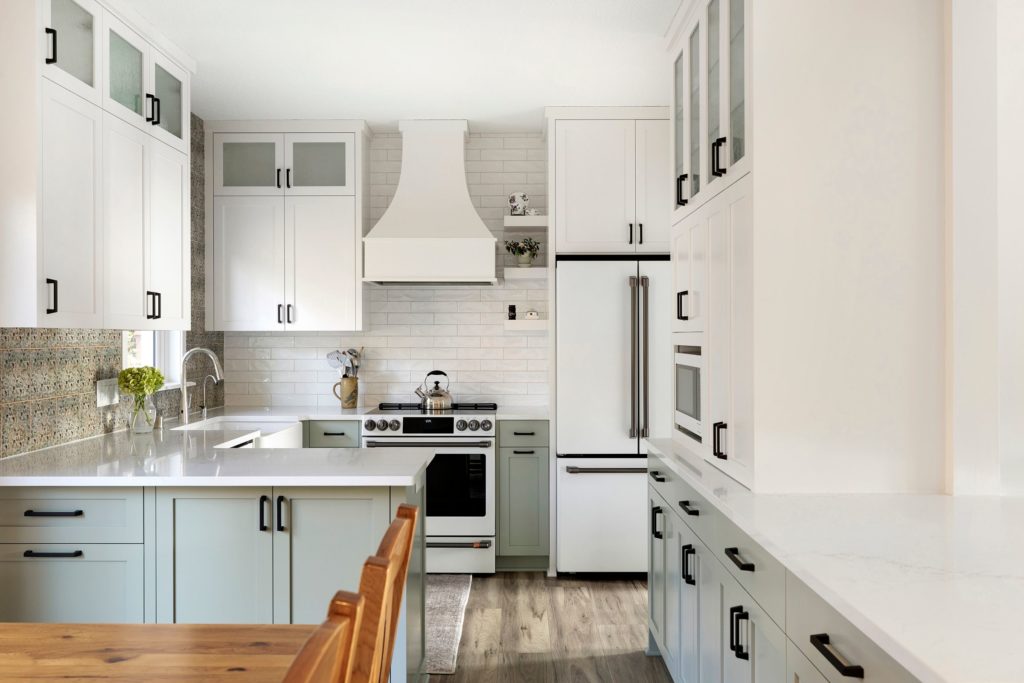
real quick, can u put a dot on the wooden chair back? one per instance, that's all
(328, 655)
(382, 585)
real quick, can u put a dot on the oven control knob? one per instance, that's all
(370, 425)
(461, 425)
(395, 425)
(473, 425)
(382, 425)
(486, 425)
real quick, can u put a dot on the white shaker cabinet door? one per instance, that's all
(653, 186)
(595, 186)
(168, 239)
(319, 164)
(249, 263)
(71, 45)
(321, 259)
(689, 261)
(70, 281)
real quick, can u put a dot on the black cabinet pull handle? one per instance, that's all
(822, 644)
(733, 611)
(288, 178)
(159, 305)
(279, 179)
(688, 576)
(657, 476)
(280, 514)
(734, 555)
(716, 441)
(523, 452)
(679, 189)
(52, 59)
(740, 615)
(156, 110)
(716, 162)
(655, 511)
(280, 313)
(334, 433)
(640, 228)
(150, 305)
(685, 505)
(679, 304)
(149, 108)
(631, 233)
(59, 513)
(524, 433)
(263, 512)
(50, 281)
(33, 553)
(288, 317)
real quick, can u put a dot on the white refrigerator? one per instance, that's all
(613, 389)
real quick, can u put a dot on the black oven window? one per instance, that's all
(457, 485)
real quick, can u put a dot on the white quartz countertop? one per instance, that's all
(315, 413)
(936, 581)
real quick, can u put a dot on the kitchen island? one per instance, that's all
(198, 526)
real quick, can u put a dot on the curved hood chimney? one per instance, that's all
(431, 232)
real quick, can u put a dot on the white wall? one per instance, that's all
(417, 329)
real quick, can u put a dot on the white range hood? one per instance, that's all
(431, 233)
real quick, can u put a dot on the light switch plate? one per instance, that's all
(107, 393)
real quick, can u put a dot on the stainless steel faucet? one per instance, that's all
(218, 375)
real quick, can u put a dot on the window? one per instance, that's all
(162, 350)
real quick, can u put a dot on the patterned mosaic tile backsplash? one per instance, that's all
(48, 377)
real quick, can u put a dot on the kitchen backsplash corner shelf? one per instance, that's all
(515, 273)
(526, 223)
(526, 325)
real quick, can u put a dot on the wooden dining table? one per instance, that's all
(148, 652)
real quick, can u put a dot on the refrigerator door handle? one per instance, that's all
(633, 379)
(645, 285)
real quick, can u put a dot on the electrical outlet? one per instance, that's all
(107, 393)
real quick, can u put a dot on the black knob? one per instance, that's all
(395, 425)
(370, 425)
(461, 425)
(473, 425)
(382, 425)
(486, 425)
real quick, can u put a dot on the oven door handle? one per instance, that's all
(427, 444)
(476, 545)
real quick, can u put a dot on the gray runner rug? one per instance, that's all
(447, 595)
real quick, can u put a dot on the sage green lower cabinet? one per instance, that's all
(321, 538)
(664, 562)
(79, 583)
(760, 644)
(523, 501)
(214, 561)
(799, 669)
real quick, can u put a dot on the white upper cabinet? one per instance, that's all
(170, 109)
(72, 46)
(248, 164)
(690, 267)
(284, 164)
(319, 163)
(169, 238)
(710, 117)
(611, 188)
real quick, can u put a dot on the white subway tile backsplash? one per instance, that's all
(415, 329)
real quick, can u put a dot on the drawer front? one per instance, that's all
(519, 433)
(799, 668)
(808, 615)
(762, 575)
(72, 583)
(82, 515)
(334, 433)
(695, 510)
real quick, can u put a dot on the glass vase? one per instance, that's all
(143, 415)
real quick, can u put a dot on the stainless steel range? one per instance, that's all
(461, 482)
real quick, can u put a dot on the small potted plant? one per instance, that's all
(141, 384)
(524, 251)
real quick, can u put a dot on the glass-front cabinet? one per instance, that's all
(711, 89)
(72, 51)
(290, 164)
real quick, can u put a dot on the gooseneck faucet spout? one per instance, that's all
(218, 376)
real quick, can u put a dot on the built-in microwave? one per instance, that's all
(689, 381)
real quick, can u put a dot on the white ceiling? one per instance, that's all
(495, 63)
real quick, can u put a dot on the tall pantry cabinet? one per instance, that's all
(807, 238)
(86, 203)
(287, 223)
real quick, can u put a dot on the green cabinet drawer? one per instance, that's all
(71, 515)
(72, 583)
(333, 433)
(523, 518)
(519, 433)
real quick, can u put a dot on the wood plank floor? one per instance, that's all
(525, 627)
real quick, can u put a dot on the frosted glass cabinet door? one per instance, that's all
(248, 164)
(71, 50)
(125, 68)
(170, 117)
(319, 163)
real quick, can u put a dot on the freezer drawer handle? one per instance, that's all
(685, 505)
(822, 644)
(33, 553)
(734, 555)
(657, 476)
(427, 444)
(58, 513)
(473, 545)
(573, 469)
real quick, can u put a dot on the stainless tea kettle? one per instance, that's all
(434, 399)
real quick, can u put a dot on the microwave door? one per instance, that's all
(688, 408)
